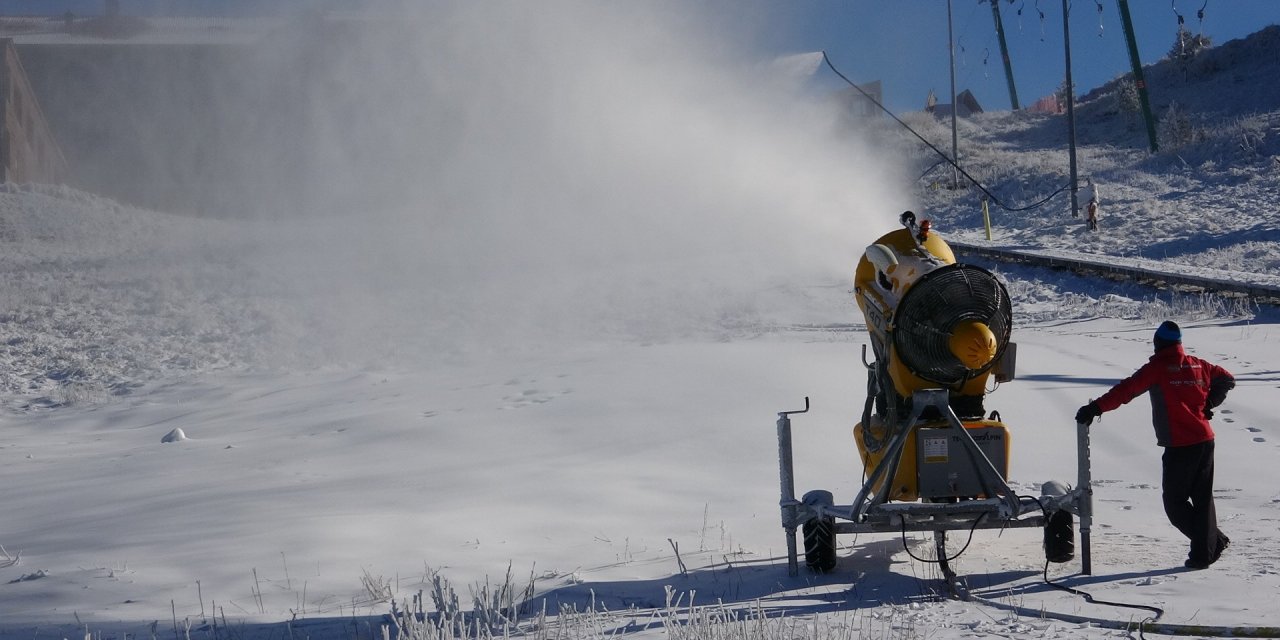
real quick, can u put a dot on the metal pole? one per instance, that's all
(1071, 111)
(786, 474)
(788, 502)
(1004, 54)
(955, 155)
(1084, 484)
(1139, 81)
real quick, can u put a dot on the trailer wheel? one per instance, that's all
(1059, 537)
(819, 534)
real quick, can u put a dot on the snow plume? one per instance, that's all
(439, 178)
(540, 170)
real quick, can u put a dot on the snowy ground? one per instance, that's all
(580, 467)
(578, 464)
(604, 426)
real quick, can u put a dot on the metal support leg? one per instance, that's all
(793, 554)
(786, 476)
(1085, 485)
(886, 469)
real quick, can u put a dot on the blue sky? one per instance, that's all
(903, 43)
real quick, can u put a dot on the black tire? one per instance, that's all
(819, 535)
(1059, 537)
(820, 544)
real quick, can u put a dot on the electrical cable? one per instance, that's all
(1087, 596)
(931, 168)
(994, 198)
(944, 558)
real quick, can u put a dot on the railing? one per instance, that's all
(1260, 288)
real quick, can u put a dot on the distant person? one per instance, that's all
(1091, 209)
(70, 19)
(1184, 391)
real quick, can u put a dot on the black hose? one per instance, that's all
(942, 559)
(1088, 597)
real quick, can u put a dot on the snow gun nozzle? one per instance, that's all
(908, 220)
(925, 227)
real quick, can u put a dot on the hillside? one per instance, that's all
(556, 376)
(1210, 197)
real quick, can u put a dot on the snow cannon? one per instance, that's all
(934, 324)
(933, 460)
(932, 321)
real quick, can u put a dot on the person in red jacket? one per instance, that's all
(1184, 391)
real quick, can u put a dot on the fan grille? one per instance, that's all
(931, 309)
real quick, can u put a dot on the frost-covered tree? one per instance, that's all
(1186, 45)
(1127, 101)
(1174, 129)
(1062, 94)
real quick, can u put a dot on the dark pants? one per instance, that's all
(1188, 498)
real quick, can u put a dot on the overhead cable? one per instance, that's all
(993, 197)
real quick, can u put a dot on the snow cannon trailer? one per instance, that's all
(933, 458)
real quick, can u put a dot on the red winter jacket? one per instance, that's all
(1181, 387)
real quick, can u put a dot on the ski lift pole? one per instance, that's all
(1004, 54)
(1071, 111)
(786, 476)
(955, 144)
(1139, 81)
(1084, 484)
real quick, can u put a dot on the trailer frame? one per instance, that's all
(872, 512)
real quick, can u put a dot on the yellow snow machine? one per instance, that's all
(933, 458)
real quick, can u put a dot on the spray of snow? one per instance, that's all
(450, 180)
(561, 171)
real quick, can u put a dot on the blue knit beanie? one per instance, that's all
(1169, 331)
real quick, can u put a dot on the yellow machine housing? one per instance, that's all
(879, 290)
(933, 324)
(916, 461)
